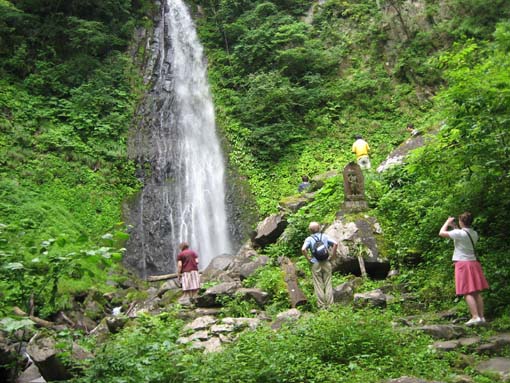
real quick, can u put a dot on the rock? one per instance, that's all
(149, 306)
(447, 345)
(199, 335)
(285, 316)
(319, 180)
(462, 379)
(208, 298)
(343, 293)
(269, 230)
(407, 379)
(240, 323)
(442, 331)
(249, 268)
(200, 323)
(495, 344)
(259, 296)
(293, 203)
(79, 353)
(221, 269)
(30, 375)
(8, 357)
(375, 298)
(397, 156)
(451, 345)
(222, 328)
(353, 238)
(101, 331)
(116, 323)
(201, 311)
(500, 366)
(42, 350)
(212, 345)
(169, 285)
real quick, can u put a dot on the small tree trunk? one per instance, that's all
(362, 267)
(297, 297)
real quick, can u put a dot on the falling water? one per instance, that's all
(178, 154)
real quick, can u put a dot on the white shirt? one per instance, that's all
(463, 247)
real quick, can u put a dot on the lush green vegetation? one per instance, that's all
(67, 97)
(290, 94)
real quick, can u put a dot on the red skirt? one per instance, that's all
(469, 277)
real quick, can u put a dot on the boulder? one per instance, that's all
(43, 351)
(355, 239)
(212, 345)
(249, 268)
(499, 366)
(408, 379)
(222, 328)
(343, 293)
(208, 298)
(217, 269)
(30, 375)
(375, 298)
(241, 323)
(446, 331)
(200, 323)
(397, 156)
(494, 344)
(259, 296)
(293, 203)
(285, 317)
(116, 323)
(269, 230)
(319, 180)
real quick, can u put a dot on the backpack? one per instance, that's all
(319, 250)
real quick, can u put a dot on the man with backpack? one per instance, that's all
(319, 244)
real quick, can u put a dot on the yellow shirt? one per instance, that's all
(361, 148)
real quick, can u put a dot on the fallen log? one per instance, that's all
(38, 321)
(296, 296)
(154, 278)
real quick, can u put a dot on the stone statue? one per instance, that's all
(354, 188)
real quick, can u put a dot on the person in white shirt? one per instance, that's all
(469, 277)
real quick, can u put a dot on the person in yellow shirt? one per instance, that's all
(361, 149)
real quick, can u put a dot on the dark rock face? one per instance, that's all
(269, 230)
(177, 154)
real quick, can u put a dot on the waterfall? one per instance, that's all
(178, 154)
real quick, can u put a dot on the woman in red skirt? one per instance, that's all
(187, 271)
(469, 278)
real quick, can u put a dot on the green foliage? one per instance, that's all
(35, 277)
(464, 168)
(144, 351)
(363, 348)
(336, 346)
(67, 97)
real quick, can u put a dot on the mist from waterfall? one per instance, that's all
(178, 153)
